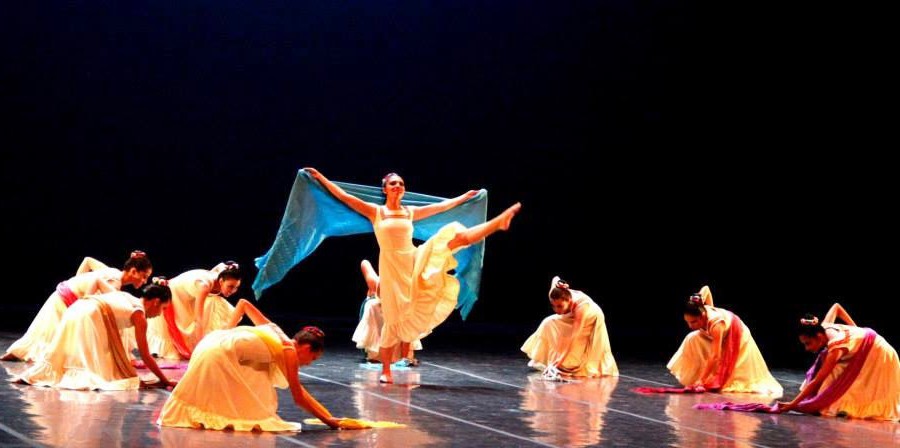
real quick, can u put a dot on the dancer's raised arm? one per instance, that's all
(90, 264)
(426, 211)
(364, 208)
(706, 295)
(838, 312)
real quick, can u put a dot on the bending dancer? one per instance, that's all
(175, 334)
(87, 351)
(230, 380)
(416, 292)
(856, 373)
(368, 332)
(720, 353)
(574, 341)
(92, 277)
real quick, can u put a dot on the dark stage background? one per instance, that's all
(656, 147)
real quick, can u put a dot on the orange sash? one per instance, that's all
(120, 358)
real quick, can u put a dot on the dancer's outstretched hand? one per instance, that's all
(313, 172)
(783, 406)
(333, 423)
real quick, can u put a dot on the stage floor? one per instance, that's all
(454, 398)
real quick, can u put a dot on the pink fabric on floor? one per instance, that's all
(823, 399)
(669, 390)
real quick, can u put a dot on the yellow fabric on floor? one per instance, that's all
(353, 423)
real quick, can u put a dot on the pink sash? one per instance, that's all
(68, 296)
(822, 400)
(731, 348)
(730, 351)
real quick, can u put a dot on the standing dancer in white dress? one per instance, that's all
(416, 291)
(92, 277)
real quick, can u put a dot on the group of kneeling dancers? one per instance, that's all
(86, 333)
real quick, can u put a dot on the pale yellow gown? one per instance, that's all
(218, 313)
(590, 354)
(35, 340)
(79, 354)
(186, 290)
(230, 384)
(876, 392)
(750, 372)
(416, 292)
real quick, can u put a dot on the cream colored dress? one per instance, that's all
(79, 355)
(186, 289)
(590, 354)
(35, 340)
(750, 371)
(876, 392)
(416, 292)
(230, 384)
(218, 313)
(367, 335)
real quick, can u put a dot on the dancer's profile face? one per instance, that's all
(813, 344)
(394, 185)
(229, 286)
(561, 306)
(305, 355)
(154, 307)
(695, 322)
(136, 278)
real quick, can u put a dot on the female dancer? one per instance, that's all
(856, 374)
(573, 341)
(417, 293)
(92, 277)
(242, 366)
(720, 353)
(87, 351)
(174, 334)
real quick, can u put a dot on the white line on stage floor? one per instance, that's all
(19, 436)
(619, 411)
(842, 421)
(423, 409)
(788, 381)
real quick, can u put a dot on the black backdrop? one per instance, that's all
(656, 147)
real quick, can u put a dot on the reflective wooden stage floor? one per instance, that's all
(454, 398)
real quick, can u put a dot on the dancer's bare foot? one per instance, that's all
(507, 215)
(9, 357)
(386, 378)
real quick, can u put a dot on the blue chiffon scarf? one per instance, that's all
(313, 214)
